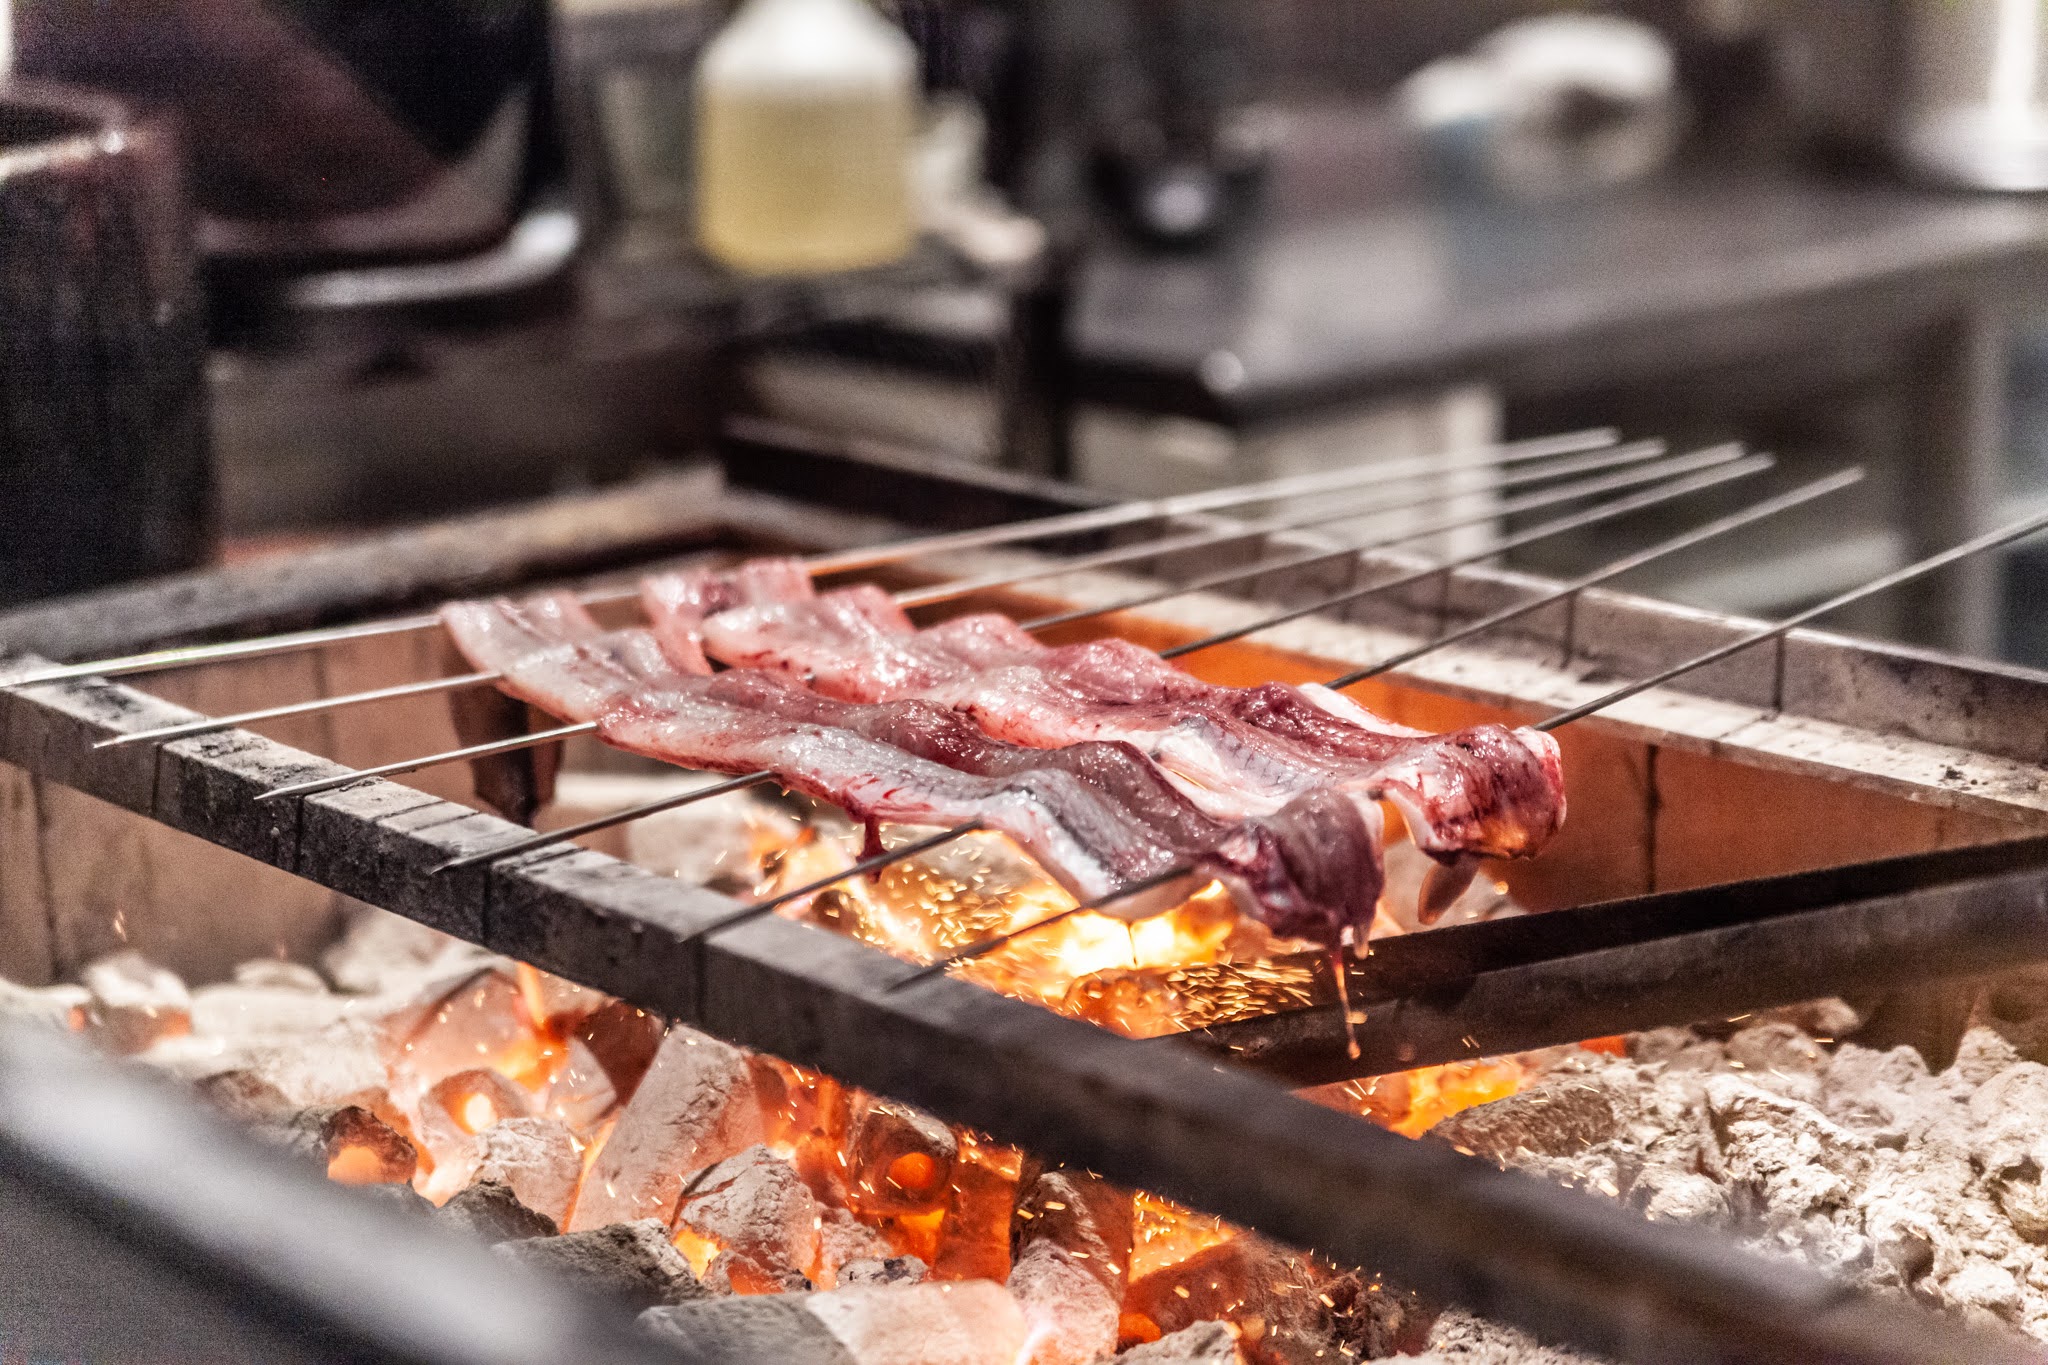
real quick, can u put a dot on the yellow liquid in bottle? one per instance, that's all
(794, 182)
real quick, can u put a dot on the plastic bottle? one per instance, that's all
(805, 110)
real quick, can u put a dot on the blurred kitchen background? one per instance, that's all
(457, 252)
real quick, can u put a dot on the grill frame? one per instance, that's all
(1164, 1117)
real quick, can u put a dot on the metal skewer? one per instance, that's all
(1721, 526)
(408, 765)
(1634, 453)
(1990, 540)
(874, 863)
(1037, 528)
(1709, 458)
(989, 945)
(1606, 511)
(591, 826)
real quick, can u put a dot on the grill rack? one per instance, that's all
(1159, 1116)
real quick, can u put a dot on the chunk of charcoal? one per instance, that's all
(362, 1149)
(1071, 1259)
(624, 1039)
(380, 953)
(403, 1198)
(755, 1207)
(248, 1014)
(886, 1270)
(1458, 1338)
(632, 1262)
(246, 1097)
(900, 1158)
(134, 1003)
(974, 1238)
(1555, 1118)
(536, 1157)
(733, 1273)
(777, 1327)
(269, 973)
(969, 1323)
(1283, 1304)
(844, 1240)
(491, 1212)
(60, 1007)
(1205, 1343)
(695, 1107)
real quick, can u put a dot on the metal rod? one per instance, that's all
(591, 826)
(1990, 540)
(407, 765)
(873, 863)
(1635, 453)
(1209, 500)
(988, 945)
(215, 724)
(1714, 475)
(1037, 528)
(1770, 507)
(1709, 458)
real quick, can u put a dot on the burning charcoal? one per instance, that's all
(537, 1158)
(556, 1004)
(1071, 1259)
(1669, 1194)
(974, 1239)
(1282, 1305)
(732, 1273)
(844, 1240)
(474, 1100)
(888, 1270)
(491, 1212)
(578, 1092)
(1205, 1343)
(403, 1198)
(134, 1003)
(623, 1039)
(975, 1323)
(632, 1262)
(753, 1207)
(695, 1107)
(901, 1159)
(62, 1007)
(1559, 1117)
(362, 1149)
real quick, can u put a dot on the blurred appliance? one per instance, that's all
(1979, 93)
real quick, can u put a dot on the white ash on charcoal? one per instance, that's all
(757, 1217)
(62, 1007)
(632, 1263)
(695, 1107)
(971, 1322)
(1893, 1177)
(1205, 1343)
(133, 1003)
(491, 1212)
(536, 1158)
(1070, 1265)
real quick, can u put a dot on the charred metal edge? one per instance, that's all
(1866, 945)
(1168, 1118)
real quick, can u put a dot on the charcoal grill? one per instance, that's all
(1860, 752)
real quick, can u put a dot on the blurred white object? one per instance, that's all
(805, 114)
(1551, 105)
(1979, 110)
(955, 201)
